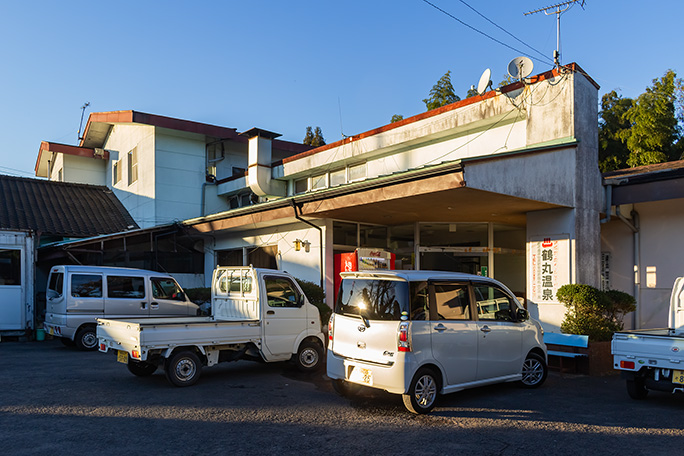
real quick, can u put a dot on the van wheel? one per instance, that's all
(86, 338)
(183, 368)
(534, 371)
(422, 394)
(309, 357)
(141, 368)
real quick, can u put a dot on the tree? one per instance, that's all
(396, 118)
(442, 93)
(655, 132)
(314, 137)
(613, 128)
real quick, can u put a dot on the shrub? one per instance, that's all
(314, 293)
(592, 312)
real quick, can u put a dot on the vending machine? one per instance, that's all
(361, 260)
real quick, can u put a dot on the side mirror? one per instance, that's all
(301, 300)
(522, 314)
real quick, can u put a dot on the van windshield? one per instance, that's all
(373, 299)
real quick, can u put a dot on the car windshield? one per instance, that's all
(373, 299)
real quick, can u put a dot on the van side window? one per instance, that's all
(166, 289)
(492, 303)
(281, 292)
(420, 307)
(452, 302)
(86, 286)
(55, 288)
(125, 287)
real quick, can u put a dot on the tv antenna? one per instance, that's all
(520, 68)
(83, 108)
(559, 9)
(485, 81)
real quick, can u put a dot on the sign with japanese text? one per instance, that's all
(549, 266)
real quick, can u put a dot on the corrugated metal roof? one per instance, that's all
(60, 208)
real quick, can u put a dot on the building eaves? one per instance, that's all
(60, 208)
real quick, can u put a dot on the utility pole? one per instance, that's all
(559, 8)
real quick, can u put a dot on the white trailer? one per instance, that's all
(653, 359)
(257, 314)
(17, 311)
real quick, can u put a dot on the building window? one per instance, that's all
(605, 271)
(357, 172)
(237, 171)
(301, 185)
(319, 182)
(133, 166)
(116, 172)
(338, 177)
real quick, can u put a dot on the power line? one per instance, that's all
(481, 32)
(503, 29)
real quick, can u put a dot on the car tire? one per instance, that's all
(636, 389)
(344, 388)
(309, 357)
(183, 368)
(86, 338)
(141, 368)
(423, 391)
(67, 342)
(534, 371)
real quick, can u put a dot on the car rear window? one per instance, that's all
(373, 299)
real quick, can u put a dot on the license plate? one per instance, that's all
(122, 356)
(678, 377)
(361, 375)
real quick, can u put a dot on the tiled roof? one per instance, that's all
(647, 173)
(60, 208)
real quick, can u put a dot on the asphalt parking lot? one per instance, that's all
(57, 400)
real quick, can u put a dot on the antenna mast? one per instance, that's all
(559, 8)
(83, 108)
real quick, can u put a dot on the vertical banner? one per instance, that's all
(549, 266)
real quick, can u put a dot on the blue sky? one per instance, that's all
(344, 66)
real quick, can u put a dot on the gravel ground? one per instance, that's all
(57, 400)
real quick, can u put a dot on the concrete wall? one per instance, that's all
(138, 197)
(83, 170)
(660, 249)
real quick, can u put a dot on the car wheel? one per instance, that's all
(422, 394)
(183, 368)
(141, 368)
(343, 387)
(309, 357)
(86, 338)
(534, 371)
(637, 389)
(67, 342)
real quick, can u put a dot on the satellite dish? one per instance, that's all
(485, 81)
(520, 67)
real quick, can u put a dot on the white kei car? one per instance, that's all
(425, 333)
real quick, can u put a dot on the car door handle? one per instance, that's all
(143, 305)
(485, 329)
(440, 327)
(270, 312)
(154, 305)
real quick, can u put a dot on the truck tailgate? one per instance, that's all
(146, 334)
(653, 348)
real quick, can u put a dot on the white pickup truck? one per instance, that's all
(257, 314)
(653, 359)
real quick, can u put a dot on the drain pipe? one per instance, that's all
(634, 226)
(320, 236)
(608, 198)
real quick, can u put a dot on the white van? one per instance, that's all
(78, 295)
(425, 333)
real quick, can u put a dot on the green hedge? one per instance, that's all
(593, 312)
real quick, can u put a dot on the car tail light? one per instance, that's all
(404, 344)
(330, 328)
(627, 364)
(135, 354)
(103, 347)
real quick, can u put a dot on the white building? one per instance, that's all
(505, 184)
